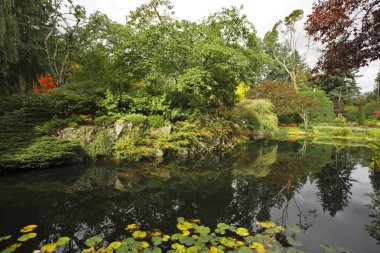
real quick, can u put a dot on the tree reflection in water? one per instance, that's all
(238, 189)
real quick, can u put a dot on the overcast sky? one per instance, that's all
(262, 13)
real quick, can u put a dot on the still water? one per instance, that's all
(321, 188)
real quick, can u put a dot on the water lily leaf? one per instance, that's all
(139, 234)
(5, 238)
(114, 245)
(220, 231)
(274, 230)
(147, 250)
(244, 250)
(222, 226)
(28, 228)
(242, 232)
(157, 250)
(131, 227)
(48, 248)
(123, 249)
(293, 242)
(184, 226)
(193, 249)
(227, 242)
(186, 233)
(156, 240)
(258, 247)
(166, 238)
(204, 238)
(63, 241)
(26, 237)
(203, 230)
(295, 229)
(93, 241)
(179, 247)
(8, 250)
(334, 249)
(144, 244)
(180, 220)
(214, 249)
(188, 241)
(156, 233)
(16, 245)
(128, 241)
(266, 224)
(249, 239)
(197, 221)
(175, 237)
(89, 250)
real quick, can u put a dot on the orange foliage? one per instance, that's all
(45, 83)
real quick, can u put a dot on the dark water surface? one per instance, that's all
(321, 188)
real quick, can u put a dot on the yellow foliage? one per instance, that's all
(267, 224)
(258, 247)
(166, 238)
(241, 90)
(131, 227)
(214, 249)
(28, 229)
(48, 248)
(242, 232)
(89, 250)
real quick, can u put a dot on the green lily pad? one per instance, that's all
(63, 241)
(156, 240)
(27, 237)
(5, 238)
(93, 241)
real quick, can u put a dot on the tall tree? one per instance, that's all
(349, 30)
(287, 55)
(22, 28)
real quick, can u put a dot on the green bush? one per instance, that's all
(133, 148)
(361, 119)
(370, 107)
(135, 119)
(56, 124)
(104, 120)
(101, 146)
(340, 120)
(257, 114)
(156, 121)
(352, 112)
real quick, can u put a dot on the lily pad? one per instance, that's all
(48, 248)
(5, 238)
(27, 237)
(63, 241)
(242, 232)
(28, 228)
(139, 234)
(93, 241)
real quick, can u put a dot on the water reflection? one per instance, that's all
(268, 181)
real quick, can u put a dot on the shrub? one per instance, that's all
(135, 119)
(342, 131)
(257, 114)
(101, 146)
(133, 148)
(370, 107)
(156, 121)
(352, 112)
(56, 124)
(104, 120)
(340, 120)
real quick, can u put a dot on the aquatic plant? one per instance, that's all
(192, 237)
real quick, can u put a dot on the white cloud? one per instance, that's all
(262, 13)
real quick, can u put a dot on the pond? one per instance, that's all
(321, 188)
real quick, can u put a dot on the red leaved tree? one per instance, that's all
(349, 30)
(45, 83)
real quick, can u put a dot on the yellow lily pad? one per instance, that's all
(48, 248)
(267, 224)
(242, 232)
(258, 247)
(28, 228)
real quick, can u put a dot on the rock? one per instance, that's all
(81, 134)
(118, 185)
(165, 130)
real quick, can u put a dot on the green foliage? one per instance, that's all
(258, 114)
(340, 120)
(134, 147)
(370, 107)
(352, 111)
(156, 121)
(361, 118)
(135, 119)
(55, 124)
(101, 146)
(104, 120)
(341, 131)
